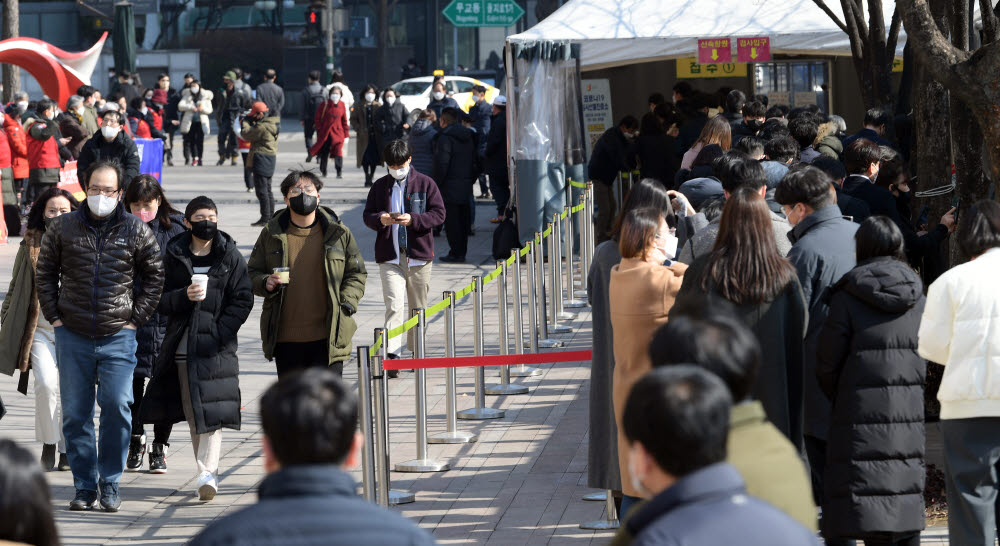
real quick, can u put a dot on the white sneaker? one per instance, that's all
(208, 486)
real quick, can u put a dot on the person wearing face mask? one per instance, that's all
(43, 139)
(89, 114)
(196, 378)
(390, 121)
(111, 144)
(307, 318)
(641, 292)
(17, 139)
(482, 115)
(455, 170)
(403, 208)
(440, 99)
(362, 120)
(613, 153)
(751, 123)
(676, 432)
(87, 270)
(195, 106)
(260, 129)
(312, 97)
(71, 125)
(8, 186)
(142, 120)
(234, 100)
(145, 199)
(27, 339)
(271, 93)
(331, 132)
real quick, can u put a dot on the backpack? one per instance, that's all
(505, 237)
(315, 100)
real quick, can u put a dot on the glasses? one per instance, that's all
(295, 192)
(99, 191)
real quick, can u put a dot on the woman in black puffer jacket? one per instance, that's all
(145, 199)
(869, 368)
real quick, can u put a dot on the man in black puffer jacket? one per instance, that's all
(110, 144)
(86, 270)
(455, 171)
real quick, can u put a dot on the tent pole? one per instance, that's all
(511, 113)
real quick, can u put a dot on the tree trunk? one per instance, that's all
(383, 41)
(11, 29)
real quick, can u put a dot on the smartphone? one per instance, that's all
(956, 203)
(394, 215)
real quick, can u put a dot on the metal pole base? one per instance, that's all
(600, 525)
(524, 371)
(509, 388)
(563, 316)
(422, 465)
(580, 293)
(400, 497)
(548, 343)
(558, 329)
(599, 496)
(574, 304)
(476, 414)
(456, 437)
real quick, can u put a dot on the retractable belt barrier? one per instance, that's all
(550, 357)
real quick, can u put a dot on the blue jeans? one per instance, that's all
(106, 363)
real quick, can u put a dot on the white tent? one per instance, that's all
(616, 32)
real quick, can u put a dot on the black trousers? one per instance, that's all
(324, 159)
(309, 127)
(500, 188)
(247, 172)
(457, 222)
(195, 140)
(161, 431)
(816, 453)
(227, 139)
(484, 187)
(262, 186)
(294, 357)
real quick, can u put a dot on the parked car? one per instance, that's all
(416, 92)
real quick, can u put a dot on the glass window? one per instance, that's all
(795, 83)
(410, 88)
(462, 86)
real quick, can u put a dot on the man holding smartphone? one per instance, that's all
(404, 207)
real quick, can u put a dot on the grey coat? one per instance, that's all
(704, 240)
(602, 453)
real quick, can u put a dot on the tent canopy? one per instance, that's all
(617, 32)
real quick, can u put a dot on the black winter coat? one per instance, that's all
(496, 148)
(212, 325)
(869, 367)
(85, 274)
(455, 163)
(150, 335)
(612, 154)
(122, 149)
(389, 122)
(656, 158)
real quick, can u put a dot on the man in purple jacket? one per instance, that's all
(404, 207)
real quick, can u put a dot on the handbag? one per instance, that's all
(505, 236)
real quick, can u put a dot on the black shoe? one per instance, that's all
(136, 452)
(449, 259)
(158, 459)
(258, 223)
(187, 161)
(110, 501)
(63, 463)
(233, 163)
(84, 500)
(221, 162)
(48, 457)
(309, 158)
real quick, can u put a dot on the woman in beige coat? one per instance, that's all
(642, 291)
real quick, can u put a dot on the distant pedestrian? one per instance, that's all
(455, 173)
(390, 120)
(481, 113)
(195, 106)
(363, 121)
(89, 96)
(421, 140)
(197, 374)
(307, 498)
(271, 93)
(440, 99)
(307, 266)
(312, 98)
(43, 149)
(613, 153)
(9, 188)
(233, 103)
(495, 153)
(71, 125)
(165, 99)
(332, 131)
(260, 128)
(17, 139)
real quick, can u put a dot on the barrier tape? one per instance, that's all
(577, 184)
(494, 360)
(577, 208)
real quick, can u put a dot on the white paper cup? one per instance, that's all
(202, 281)
(282, 273)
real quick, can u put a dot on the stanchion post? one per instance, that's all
(521, 370)
(365, 418)
(610, 520)
(505, 387)
(452, 435)
(537, 280)
(480, 411)
(422, 463)
(556, 312)
(571, 301)
(585, 227)
(620, 193)
(380, 394)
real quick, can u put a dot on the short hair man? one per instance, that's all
(71, 125)
(89, 95)
(682, 91)
(234, 99)
(876, 122)
(752, 146)
(310, 439)
(804, 131)
(271, 93)
(111, 143)
(495, 158)
(676, 421)
(752, 122)
(779, 154)
(87, 270)
(307, 267)
(722, 344)
(440, 99)
(312, 98)
(655, 100)
(856, 209)
(822, 252)
(613, 153)
(455, 172)
(45, 142)
(481, 113)
(403, 207)
(735, 100)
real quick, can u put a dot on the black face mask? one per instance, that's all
(205, 230)
(903, 200)
(303, 204)
(754, 124)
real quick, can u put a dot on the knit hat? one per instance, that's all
(159, 96)
(230, 76)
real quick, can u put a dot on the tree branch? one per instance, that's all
(937, 54)
(859, 14)
(826, 9)
(894, 26)
(853, 33)
(991, 26)
(877, 31)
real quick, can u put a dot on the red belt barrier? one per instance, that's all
(497, 360)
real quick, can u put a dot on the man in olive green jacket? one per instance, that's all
(302, 253)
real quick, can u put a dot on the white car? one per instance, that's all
(415, 93)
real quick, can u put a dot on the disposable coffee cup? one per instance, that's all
(202, 281)
(282, 273)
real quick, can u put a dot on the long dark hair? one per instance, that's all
(36, 216)
(745, 266)
(979, 229)
(878, 236)
(143, 189)
(647, 193)
(25, 502)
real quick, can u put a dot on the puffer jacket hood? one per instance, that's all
(884, 283)
(421, 127)
(824, 130)
(459, 132)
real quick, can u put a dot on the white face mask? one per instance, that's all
(399, 174)
(335, 98)
(370, 97)
(109, 132)
(195, 89)
(390, 100)
(438, 95)
(22, 105)
(636, 480)
(144, 110)
(81, 110)
(666, 245)
(101, 205)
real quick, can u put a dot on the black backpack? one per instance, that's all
(505, 236)
(315, 99)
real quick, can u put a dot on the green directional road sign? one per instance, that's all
(483, 13)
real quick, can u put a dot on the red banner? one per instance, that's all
(69, 181)
(714, 50)
(755, 49)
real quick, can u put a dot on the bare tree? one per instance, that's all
(872, 48)
(382, 9)
(11, 73)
